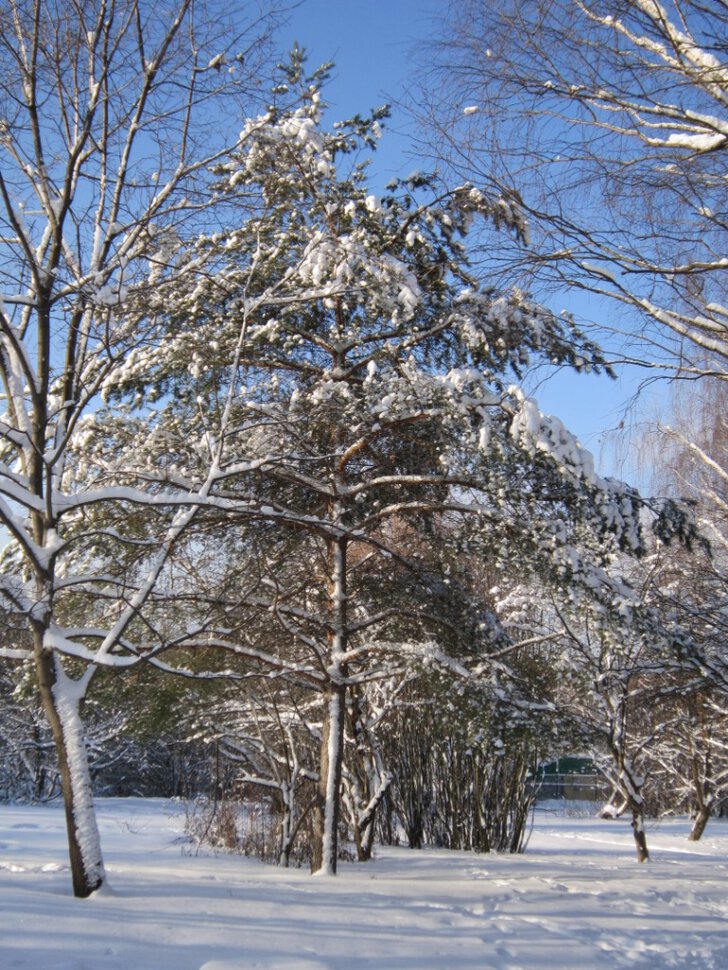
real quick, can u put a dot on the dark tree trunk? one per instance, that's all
(702, 774)
(638, 828)
(699, 823)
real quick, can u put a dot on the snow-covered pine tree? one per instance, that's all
(349, 377)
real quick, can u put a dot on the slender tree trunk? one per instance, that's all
(702, 773)
(365, 824)
(61, 698)
(638, 828)
(627, 781)
(368, 782)
(365, 840)
(284, 856)
(363, 844)
(328, 802)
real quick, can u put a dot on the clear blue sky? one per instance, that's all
(371, 43)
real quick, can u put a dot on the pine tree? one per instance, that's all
(335, 377)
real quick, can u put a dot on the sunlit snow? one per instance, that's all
(575, 900)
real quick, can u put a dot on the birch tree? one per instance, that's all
(689, 455)
(608, 122)
(105, 147)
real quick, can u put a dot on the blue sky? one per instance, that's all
(371, 43)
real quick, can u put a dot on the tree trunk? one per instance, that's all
(638, 828)
(364, 843)
(702, 775)
(327, 808)
(61, 698)
(365, 824)
(284, 855)
(328, 802)
(699, 823)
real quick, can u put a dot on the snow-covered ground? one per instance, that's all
(576, 899)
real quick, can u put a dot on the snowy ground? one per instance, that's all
(576, 900)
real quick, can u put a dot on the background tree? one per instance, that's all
(689, 456)
(606, 124)
(613, 656)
